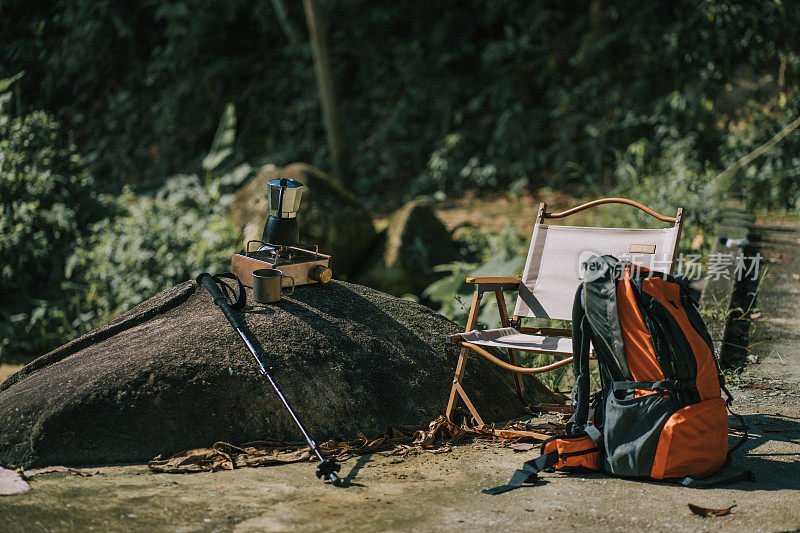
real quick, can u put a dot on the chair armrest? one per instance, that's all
(495, 283)
(494, 279)
(453, 339)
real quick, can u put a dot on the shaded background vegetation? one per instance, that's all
(436, 98)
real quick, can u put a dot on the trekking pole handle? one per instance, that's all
(208, 281)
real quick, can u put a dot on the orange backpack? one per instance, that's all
(659, 413)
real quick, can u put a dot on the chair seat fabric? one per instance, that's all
(511, 338)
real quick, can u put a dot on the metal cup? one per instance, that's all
(267, 285)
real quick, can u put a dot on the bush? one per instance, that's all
(63, 270)
(157, 242)
(664, 176)
(47, 201)
(501, 254)
(436, 95)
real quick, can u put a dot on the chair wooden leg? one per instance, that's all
(518, 383)
(457, 390)
(454, 389)
(474, 412)
(512, 355)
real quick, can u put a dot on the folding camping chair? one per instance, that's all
(546, 291)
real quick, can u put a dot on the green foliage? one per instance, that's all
(141, 85)
(222, 145)
(5, 85)
(452, 95)
(649, 100)
(47, 201)
(663, 178)
(157, 242)
(70, 261)
(773, 180)
(501, 254)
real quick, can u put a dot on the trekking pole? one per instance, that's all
(327, 468)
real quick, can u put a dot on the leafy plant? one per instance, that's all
(222, 145)
(5, 85)
(157, 242)
(477, 94)
(502, 254)
(47, 201)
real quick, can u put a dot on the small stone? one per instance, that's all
(12, 483)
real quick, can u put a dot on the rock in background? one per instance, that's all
(415, 241)
(330, 215)
(172, 375)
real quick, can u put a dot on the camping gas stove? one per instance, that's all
(304, 264)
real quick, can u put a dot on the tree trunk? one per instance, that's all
(327, 95)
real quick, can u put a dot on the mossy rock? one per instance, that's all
(330, 215)
(172, 375)
(415, 241)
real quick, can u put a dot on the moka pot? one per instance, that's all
(283, 196)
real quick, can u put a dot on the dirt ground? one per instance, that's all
(428, 491)
(7, 370)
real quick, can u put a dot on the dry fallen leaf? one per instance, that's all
(705, 512)
(46, 470)
(522, 447)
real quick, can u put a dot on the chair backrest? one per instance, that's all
(553, 269)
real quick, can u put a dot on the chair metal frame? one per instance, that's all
(499, 285)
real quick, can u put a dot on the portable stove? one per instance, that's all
(279, 248)
(303, 264)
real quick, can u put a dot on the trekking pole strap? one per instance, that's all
(238, 298)
(527, 474)
(211, 283)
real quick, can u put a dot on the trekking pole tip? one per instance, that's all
(327, 470)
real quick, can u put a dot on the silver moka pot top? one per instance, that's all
(284, 195)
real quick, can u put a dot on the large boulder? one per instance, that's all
(415, 241)
(172, 374)
(330, 215)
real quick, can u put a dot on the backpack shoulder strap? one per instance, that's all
(581, 336)
(727, 476)
(560, 452)
(527, 474)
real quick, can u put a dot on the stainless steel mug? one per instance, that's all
(267, 285)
